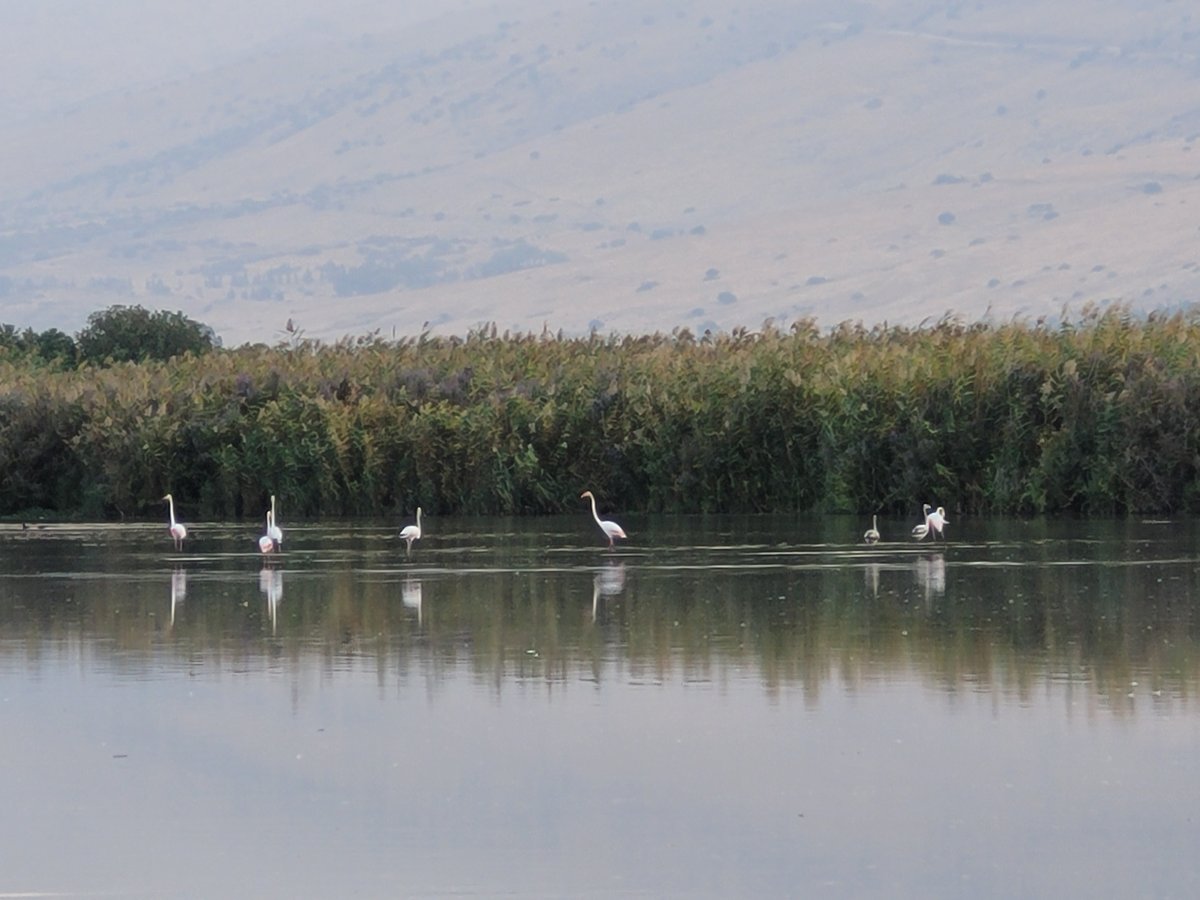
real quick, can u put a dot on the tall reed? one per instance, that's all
(1095, 415)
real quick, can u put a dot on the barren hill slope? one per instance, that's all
(627, 166)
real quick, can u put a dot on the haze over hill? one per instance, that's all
(624, 166)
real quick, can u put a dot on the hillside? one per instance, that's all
(622, 166)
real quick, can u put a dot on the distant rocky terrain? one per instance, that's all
(621, 166)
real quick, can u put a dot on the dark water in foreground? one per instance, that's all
(721, 707)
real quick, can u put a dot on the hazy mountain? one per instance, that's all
(627, 166)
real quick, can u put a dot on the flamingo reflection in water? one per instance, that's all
(178, 591)
(930, 574)
(410, 596)
(270, 582)
(607, 582)
(871, 577)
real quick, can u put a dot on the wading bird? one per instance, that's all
(178, 531)
(611, 529)
(919, 532)
(871, 535)
(274, 532)
(266, 543)
(936, 521)
(411, 533)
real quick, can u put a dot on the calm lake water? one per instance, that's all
(721, 707)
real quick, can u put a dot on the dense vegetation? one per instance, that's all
(1098, 415)
(116, 334)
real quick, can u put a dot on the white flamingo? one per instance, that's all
(921, 531)
(411, 533)
(937, 521)
(871, 535)
(178, 531)
(611, 529)
(266, 543)
(274, 532)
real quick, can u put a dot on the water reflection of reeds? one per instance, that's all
(1113, 634)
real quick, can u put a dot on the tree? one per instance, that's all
(134, 334)
(53, 344)
(50, 345)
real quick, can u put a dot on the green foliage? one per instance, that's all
(50, 346)
(1094, 416)
(133, 334)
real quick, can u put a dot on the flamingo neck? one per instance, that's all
(171, 506)
(595, 515)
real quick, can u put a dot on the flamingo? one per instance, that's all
(936, 521)
(921, 531)
(611, 529)
(274, 532)
(412, 533)
(871, 535)
(178, 531)
(266, 543)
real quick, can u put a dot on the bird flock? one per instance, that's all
(934, 524)
(271, 541)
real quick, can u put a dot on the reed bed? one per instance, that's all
(1097, 415)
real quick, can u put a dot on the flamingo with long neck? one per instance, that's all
(274, 532)
(411, 533)
(921, 531)
(937, 521)
(177, 529)
(611, 529)
(871, 535)
(267, 543)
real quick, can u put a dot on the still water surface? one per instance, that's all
(721, 707)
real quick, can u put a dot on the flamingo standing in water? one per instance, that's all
(921, 531)
(274, 532)
(937, 521)
(871, 535)
(267, 543)
(411, 533)
(178, 531)
(611, 529)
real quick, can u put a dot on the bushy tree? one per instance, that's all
(53, 344)
(135, 334)
(50, 345)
